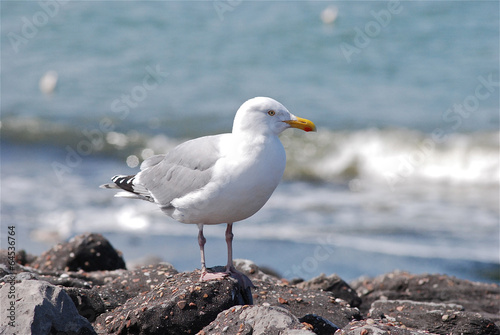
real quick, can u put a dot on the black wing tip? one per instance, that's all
(124, 182)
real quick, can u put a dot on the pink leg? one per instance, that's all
(201, 241)
(230, 270)
(206, 276)
(244, 281)
(229, 242)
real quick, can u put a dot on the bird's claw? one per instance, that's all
(242, 279)
(208, 276)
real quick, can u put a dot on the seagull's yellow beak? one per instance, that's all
(301, 123)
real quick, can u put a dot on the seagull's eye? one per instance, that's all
(271, 113)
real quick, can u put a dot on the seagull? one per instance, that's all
(219, 179)
(48, 82)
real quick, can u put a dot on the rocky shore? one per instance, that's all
(82, 287)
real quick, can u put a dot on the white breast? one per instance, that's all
(243, 180)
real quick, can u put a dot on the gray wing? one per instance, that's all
(187, 168)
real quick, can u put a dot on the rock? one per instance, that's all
(272, 291)
(156, 299)
(42, 308)
(87, 252)
(256, 320)
(99, 277)
(333, 283)
(476, 297)
(434, 317)
(319, 325)
(18, 277)
(379, 327)
(87, 302)
(159, 284)
(301, 302)
(67, 280)
(252, 271)
(132, 283)
(21, 257)
(14, 263)
(178, 305)
(24, 258)
(82, 279)
(244, 283)
(4, 270)
(144, 261)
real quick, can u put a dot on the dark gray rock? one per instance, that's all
(4, 270)
(18, 277)
(81, 279)
(148, 260)
(318, 324)
(99, 277)
(335, 284)
(88, 302)
(130, 284)
(433, 317)
(244, 283)
(272, 291)
(156, 299)
(14, 263)
(475, 297)
(180, 304)
(301, 302)
(379, 327)
(41, 308)
(24, 258)
(20, 257)
(256, 320)
(67, 280)
(253, 272)
(87, 252)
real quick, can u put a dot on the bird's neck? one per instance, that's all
(251, 130)
(251, 144)
(252, 138)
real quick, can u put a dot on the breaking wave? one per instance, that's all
(383, 155)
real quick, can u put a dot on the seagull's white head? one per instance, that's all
(263, 115)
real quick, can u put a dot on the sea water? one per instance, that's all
(403, 172)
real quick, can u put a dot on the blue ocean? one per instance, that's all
(403, 172)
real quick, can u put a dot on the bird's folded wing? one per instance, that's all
(185, 169)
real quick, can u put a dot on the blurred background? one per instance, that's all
(403, 172)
